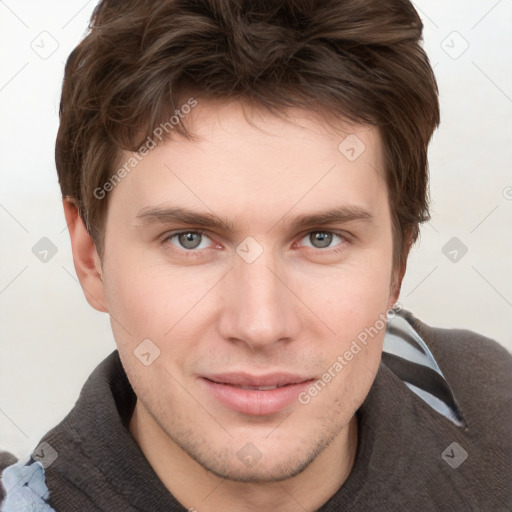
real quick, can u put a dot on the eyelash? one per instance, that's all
(197, 252)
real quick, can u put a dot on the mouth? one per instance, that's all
(255, 395)
(261, 388)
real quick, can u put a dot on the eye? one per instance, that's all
(324, 239)
(194, 241)
(187, 240)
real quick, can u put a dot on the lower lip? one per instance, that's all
(253, 401)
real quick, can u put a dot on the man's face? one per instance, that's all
(262, 301)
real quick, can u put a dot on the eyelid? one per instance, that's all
(341, 233)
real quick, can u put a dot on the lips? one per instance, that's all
(253, 381)
(260, 388)
(255, 395)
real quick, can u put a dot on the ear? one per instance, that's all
(85, 257)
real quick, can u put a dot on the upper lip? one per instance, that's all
(245, 379)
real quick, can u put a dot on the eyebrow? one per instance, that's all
(150, 216)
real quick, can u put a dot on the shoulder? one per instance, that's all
(477, 368)
(6, 459)
(455, 346)
(467, 377)
(23, 486)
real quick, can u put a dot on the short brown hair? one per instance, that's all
(358, 60)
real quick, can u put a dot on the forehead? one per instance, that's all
(245, 159)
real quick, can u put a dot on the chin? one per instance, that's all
(268, 472)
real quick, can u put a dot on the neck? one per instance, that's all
(197, 488)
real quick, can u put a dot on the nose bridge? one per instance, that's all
(259, 306)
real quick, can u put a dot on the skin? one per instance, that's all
(295, 309)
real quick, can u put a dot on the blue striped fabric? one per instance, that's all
(25, 488)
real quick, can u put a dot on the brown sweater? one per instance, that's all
(406, 458)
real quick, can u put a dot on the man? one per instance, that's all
(242, 183)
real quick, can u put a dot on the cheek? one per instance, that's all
(159, 303)
(354, 308)
(137, 299)
(352, 299)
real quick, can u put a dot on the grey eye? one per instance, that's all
(320, 239)
(189, 239)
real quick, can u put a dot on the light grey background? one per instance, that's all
(51, 340)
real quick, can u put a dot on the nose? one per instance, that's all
(260, 308)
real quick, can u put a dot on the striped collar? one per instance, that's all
(409, 358)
